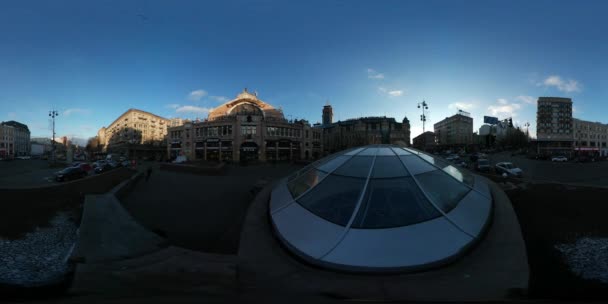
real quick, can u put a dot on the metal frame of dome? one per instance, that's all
(415, 224)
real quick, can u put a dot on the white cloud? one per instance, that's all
(395, 93)
(526, 99)
(69, 112)
(192, 109)
(504, 108)
(219, 98)
(197, 95)
(172, 106)
(391, 92)
(567, 86)
(373, 74)
(461, 105)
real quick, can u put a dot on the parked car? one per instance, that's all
(99, 163)
(452, 157)
(559, 159)
(70, 173)
(508, 168)
(104, 168)
(483, 165)
(125, 163)
(180, 159)
(84, 166)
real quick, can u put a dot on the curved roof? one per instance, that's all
(243, 101)
(380, 208)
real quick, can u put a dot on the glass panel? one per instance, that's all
(369, 152)
(416, 165)
(357, 166)
(400, 151)
(385, 152)
(434, 160)
(461, 175)
(305, 181)
(334, 163)
(355, 151)
(393, 202)
(334, 199)
(443, 190)
(388, 166)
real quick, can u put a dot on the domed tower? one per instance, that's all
(328, 114)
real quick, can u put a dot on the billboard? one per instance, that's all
(490, 120)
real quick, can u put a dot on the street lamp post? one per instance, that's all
(424, 106)
(53, 114)
(527, 125)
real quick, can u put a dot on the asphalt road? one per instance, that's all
(196, 211)
(591, 173)
(25, 173)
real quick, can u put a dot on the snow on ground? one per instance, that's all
(38, 258)
(587, 257)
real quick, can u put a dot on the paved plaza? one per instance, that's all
(25, 173)
(591, 173)
(199, 212)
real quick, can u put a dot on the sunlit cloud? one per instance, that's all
(391, 92)
(172, 106)
(373, 74)
(526, 99)
(567, 86)
(219, 98)
(69, 112)
(461, 105)
(192, 110)
(197, 95)
(504, 108)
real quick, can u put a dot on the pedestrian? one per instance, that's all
(148, 173)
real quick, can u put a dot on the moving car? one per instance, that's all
(483, 165)
(559, 159)
(70, 173)
(508, 168)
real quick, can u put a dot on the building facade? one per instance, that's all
(7, 141)
(425, 141)
(245, 129)
(554, 126)
(21, 137)
(454, 131)
(364, 131)
(590, 137)
(135, 134)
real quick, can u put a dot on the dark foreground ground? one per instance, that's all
(200, 212)
(551, 214)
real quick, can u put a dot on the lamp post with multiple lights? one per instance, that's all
(53, 114)
(424, 106)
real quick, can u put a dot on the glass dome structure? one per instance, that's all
(380, 208)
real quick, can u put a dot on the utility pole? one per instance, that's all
(527, 124)
(424, 106)
(53, 114)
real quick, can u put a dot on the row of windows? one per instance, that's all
(248, 130)
(284, 132)
(213, 131)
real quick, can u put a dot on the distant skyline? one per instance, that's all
(94, 61)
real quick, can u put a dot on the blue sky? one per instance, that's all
(93, 61)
